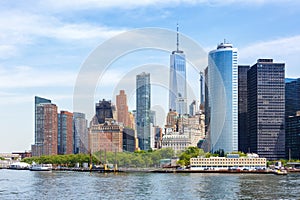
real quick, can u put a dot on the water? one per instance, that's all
(83, 185)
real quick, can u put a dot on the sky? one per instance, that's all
(44, 45)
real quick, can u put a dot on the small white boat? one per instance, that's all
(19, 166)
(40, 167)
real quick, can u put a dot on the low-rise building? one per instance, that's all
(251, 161)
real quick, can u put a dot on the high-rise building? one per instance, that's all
(193, 108)
(80, 134)
(242, 106)
(45, 128)
(122, 108)
(38, 137)
(143, 105)
(292, 97)
(266, 109)
(292, 137)
(177, 88)
(104, 109)
(292, 108)
(65, 142)
(223, 98)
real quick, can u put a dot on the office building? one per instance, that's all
(223, 98)
(143, 105)
(81, 142)
(129, 140)
(65, 142)
(292, 97)
(292, 137)
(266, 109)
(122, 110)
(177, 87)
(45, 128)
(243, 145)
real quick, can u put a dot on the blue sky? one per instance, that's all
(44, 43)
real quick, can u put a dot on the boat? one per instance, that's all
(19, 166)
(280, 172)
(40, 167)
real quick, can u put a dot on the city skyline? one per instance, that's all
(43, 48)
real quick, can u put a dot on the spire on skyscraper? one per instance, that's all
(177, 37)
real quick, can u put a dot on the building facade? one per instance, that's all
(243, 145)
(292, 97)
(292, 137)
(122, 110)
(105, 137)
(46, 129)
(177, 85)
(223, 98)
(143, 105)
(129, 140)
(217, 163)
(104, 109)
(266, 109)
(81, 140)
(65, 140)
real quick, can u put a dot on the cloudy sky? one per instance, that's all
(43, 45)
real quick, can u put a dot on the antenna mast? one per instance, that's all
(177, 37)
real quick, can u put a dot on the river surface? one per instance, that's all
(85, 185)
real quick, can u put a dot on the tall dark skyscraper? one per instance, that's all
(177, 87)
(292, 97)
(292, 108)
(104, 110)
(292, 136)
(242, 108)
(143, 105)
(266, 109)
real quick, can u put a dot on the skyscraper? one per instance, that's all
(243, 99)
(266, 109)
(223, 98)
(177, 87)
(292, 97)
(81, 141)
(143, 105)
(122, 109)
(45, 128)
(65, 142)
(38, 134)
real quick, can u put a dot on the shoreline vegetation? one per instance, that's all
(137, 159)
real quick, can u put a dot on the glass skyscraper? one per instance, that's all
(143, 105)
(223, 98)
(177, 86)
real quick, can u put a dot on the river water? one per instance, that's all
(85, 185)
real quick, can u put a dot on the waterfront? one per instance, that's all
(84, 185)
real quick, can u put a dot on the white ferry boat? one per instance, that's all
(40, 167)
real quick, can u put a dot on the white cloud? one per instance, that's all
(26, 77)
(283, 49)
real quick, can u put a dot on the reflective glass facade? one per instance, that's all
(177, 90)
(223, 98)
(143, 105)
